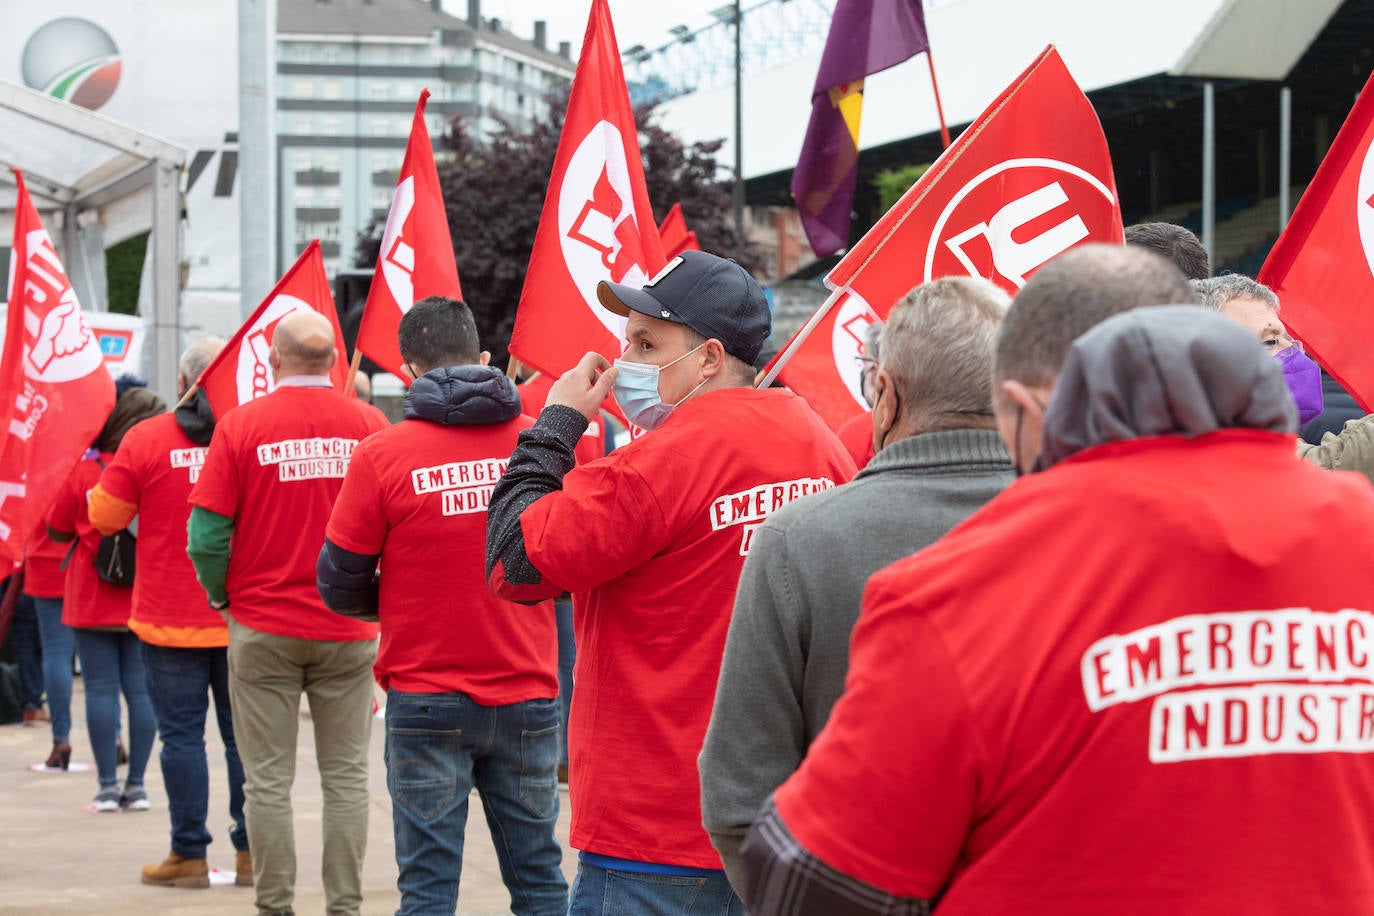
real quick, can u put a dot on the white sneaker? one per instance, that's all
(135, 798)
(106, 800)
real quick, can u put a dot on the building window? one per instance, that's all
(300, 124)
(331, 125)
(378, 90)
(378, 127)
(331, 232)
(331, 161)
(332, 197)
(302, 160)
(303, 195)
(331, 89)
(331, 54)
(303, 89)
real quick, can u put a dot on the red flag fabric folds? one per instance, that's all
(1029, 179)
(675, 235)
(1322, 266)
(241, 371)
(596, 223)
(416, 258)
(59, 392)
(866, 37)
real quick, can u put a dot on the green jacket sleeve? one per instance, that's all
(207, 544)
(1351, 450)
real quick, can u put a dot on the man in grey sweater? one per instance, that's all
(938, 460)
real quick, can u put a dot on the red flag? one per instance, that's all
(1322, 266)
(416, 258)
(241, 371)
(675, 235)
(1031, 178)
(60, 393)
(596, 223)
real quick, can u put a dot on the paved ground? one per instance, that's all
(57, 858)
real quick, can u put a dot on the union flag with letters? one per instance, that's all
(416, 257)
(1028, 180)
(1322, 266)
(596, 223)
(57, 391)
(241, 371)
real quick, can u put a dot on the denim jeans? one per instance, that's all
(438, 748)
(58, 644)
(111, 661)
(28, 653)
(600, 892)
(567, 656)
(180, 685)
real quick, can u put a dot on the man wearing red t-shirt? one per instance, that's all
(650, 540)
(270, 478)
(1138, 681)
(471, 680)
(183, 641)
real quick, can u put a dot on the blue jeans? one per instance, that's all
(111, 660)
(601, 892)
(567, 656)
(439, 746)
(28, 653)
(58, 644)
(180, 684)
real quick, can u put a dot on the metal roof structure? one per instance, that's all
(107, 179)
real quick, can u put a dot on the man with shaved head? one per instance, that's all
(273, 470)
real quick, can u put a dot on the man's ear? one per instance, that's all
(1025, 397)
(333, 358)
(712, 358)
(484, 358)
(274, 359)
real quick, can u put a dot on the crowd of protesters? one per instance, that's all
(1070, 621)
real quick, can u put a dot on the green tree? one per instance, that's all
(891, 184)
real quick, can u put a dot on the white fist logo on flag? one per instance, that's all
(63, 347)
(398, 255)
(253, 374)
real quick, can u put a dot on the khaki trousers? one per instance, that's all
(267, 675)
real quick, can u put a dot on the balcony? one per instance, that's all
(317, 178)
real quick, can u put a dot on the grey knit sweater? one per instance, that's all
(788, 646)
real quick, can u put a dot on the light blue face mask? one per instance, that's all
(636, 391)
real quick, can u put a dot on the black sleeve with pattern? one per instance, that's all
(542, 457)
(785, 879)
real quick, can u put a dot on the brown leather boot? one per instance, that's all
(243, 868)
(178, 872)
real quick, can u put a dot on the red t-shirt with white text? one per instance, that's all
(417, 494)
(87, 599)
(651, 540)
(275, 466)
(1138, 682)
(154, 469)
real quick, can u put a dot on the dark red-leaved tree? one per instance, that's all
(494, 194)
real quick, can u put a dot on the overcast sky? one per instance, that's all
(643, 22)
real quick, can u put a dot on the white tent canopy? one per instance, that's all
(108, 181)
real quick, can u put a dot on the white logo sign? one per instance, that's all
(254, 371)
(596, 221)
(398, 255)
(1364, 206)
(63, 346)
(1015, 253)
(852, 318)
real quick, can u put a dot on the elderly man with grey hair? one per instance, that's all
(938, 459)
(1255, 307)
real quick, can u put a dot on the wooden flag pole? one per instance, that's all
(349, 386)
(800, 339)
(190, 393)
(512, 368)
(939, 108)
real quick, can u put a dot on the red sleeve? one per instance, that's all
(605, 521)
(358, 522)
(123, 476)
(70, 500)
(217, 488)
(886, 793)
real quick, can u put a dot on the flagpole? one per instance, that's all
(353, 371)
(801, 336)
(939, 107)
(512, 368)
(190, 393)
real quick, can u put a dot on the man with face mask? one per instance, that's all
(798, 598)
(1121, 685)
(650, 541)
(1254, 307)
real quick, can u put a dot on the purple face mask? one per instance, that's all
(1304, 378)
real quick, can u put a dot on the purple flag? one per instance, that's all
(866, 37)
